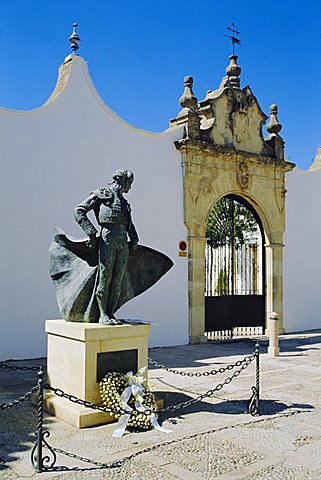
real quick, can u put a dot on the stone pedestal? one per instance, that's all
(80, 354)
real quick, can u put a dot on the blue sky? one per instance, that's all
(138, 52)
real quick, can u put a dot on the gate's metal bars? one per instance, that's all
(233, 268)
(222, 269)
(238, 263)
(232, 245)
(246, 273)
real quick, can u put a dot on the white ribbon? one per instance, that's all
(135, 387)
(151, 417)
(121, 425)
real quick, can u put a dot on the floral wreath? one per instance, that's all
(131, 393)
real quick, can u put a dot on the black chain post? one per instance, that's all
(36, 454)
(254, 403)
(257, 376)
(37, 458)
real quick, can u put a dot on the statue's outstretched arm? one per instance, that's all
(81, 214)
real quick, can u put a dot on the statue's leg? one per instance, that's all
(106, 263)
(120, 266)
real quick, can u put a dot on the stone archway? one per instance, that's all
(213, 182)
(224, 153)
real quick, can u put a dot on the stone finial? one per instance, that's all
(188, 99)
(273, 127)
(233, 71)
(273, 138)
(74, 39)
(188, 116)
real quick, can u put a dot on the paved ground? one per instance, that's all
(214, 438)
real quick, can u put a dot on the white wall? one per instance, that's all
(51, 159)
(302, 252)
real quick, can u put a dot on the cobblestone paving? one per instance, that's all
(282, 471)
(134, 470)
(214, 439)
(206, 456)
(280, 433)
(7, 474)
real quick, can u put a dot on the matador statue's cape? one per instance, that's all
(73, 267)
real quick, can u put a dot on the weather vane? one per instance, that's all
(232, 35)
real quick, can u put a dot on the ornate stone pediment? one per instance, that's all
(232, 117)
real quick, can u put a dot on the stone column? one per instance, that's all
(273, 349)
(196, 289)
(274, 282)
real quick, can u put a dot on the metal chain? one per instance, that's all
(24, 369)
(86, 403)
(180, 389)
(116, 463)
(15, 403)
(203, 374)
(121, 411)
(209, 393)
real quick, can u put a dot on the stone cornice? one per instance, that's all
(207, 148)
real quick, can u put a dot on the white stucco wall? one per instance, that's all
(302, 252)
(51, 159)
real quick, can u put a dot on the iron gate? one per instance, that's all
(234, 277)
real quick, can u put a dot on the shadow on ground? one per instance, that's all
(19, 423)
(17, 426)
(299, 345)
(192, 356)
(17, 432)
(225, 407)
(236, 407)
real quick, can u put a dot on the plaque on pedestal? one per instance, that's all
(80, 354)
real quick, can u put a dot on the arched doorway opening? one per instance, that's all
(234, 270)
